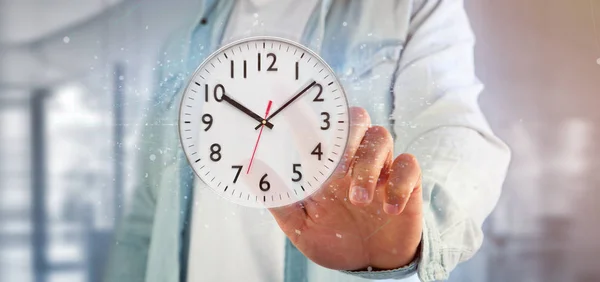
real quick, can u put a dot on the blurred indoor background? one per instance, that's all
(75, 82)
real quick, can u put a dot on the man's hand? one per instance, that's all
(368, 214)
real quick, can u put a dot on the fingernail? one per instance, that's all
(391, 209)
(359, 194)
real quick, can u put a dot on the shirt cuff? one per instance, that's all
(398, 273)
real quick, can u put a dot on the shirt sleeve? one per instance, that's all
(129, 254)
(437, 119)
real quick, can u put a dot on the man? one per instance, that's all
(418, 130)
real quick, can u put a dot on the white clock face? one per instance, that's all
(264, 122)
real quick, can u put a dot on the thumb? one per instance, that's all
(291, 219)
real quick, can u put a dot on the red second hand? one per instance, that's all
(259, 134)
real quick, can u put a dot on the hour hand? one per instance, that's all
(247, 111)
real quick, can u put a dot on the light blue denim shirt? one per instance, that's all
(409, 63)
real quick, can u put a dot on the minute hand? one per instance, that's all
(289, 102)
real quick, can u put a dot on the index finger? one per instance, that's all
(359, 124)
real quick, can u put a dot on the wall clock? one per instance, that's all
(264, 122)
